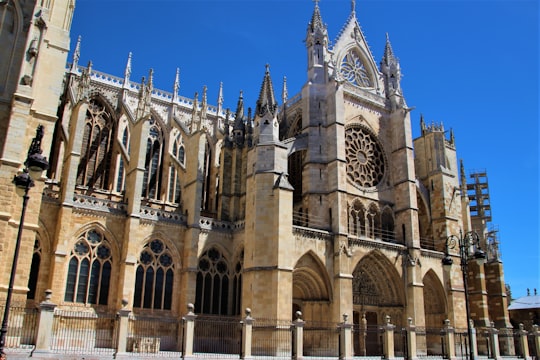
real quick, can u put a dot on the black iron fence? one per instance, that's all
(22, 327)
(218, 335)
(79, 332)
(85, 331)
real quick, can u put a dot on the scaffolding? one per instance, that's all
(478, 193)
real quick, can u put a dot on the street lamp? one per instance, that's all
(469, 249)
(34, 166)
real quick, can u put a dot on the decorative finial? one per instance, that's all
(177, 81)
(353, 6)
(127, 71)
(76, 54)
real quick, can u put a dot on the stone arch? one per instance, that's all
(435, 308)
(376, 282)
(357, 218)
(311, 290)
(310, 280)
(373, 219)
(434, 311)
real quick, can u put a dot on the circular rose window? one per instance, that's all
(365, 158)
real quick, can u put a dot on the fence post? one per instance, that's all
(411, 340)
(189, 330)
(122, 334)
(388, 339)
(345, 339)
(449, 343)
(298, 337)
(494, 342)
(522, 334)
(45, 326)
(472, 341)
(536, 339)
(247, 329)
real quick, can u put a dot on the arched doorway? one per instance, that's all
(434, 311)
(377, 292)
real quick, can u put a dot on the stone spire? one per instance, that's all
(176, 86)
(220, 99)
(239, 127)
(316, 22)
(317, 47)
(127, 71)
(204, 102)
(266, 102)
(76, 56)
(284, 91)
(392, 75)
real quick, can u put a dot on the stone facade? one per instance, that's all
(324, 203)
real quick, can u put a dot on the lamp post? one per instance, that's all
(468, 245)
(34, 166)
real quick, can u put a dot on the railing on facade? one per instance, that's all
(373, 233)
(309, 221)
(22, 327)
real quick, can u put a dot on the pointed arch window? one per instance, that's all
(154, 277)
(357, 220)
(34, 271)
(89, 271)
(205, 198)
(153, 165)
(374, 223)
(178, 149)
(95, 161)
(354, 70)
(237, 285)
(213, 284)
(174, 186)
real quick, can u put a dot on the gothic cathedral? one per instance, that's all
(322, 202)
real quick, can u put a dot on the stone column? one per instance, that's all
(189, 329)
(449, 340)
(298, 337)
(388, 339)
(45, 326)
(536, 335)
(345, 339)
(411, 340)
(494, 342)
(123, 321)
(247, 328)
(523, 344)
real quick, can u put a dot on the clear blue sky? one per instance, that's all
(472, 65)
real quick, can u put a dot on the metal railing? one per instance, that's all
(83, 332)
(86, 331)
(22, 327)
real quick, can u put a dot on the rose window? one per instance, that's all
(365, 159)
(354, 71)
